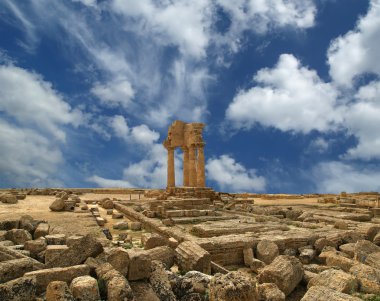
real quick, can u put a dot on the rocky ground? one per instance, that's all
(70, 245)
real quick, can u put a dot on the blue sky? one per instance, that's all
(289, 90)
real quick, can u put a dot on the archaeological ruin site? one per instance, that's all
(187, 242)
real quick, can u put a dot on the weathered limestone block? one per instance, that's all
(270, 291)
(163, 254)
(100, 221)
(369, 231)
(119, 290)
(73, 239)
(256, 265)
(190, 256)
(135, 226)
(363, 248)
(3, 235)
(67, 274)
(117, 215)
(234, 286)
(340, 224)
(266, 251)
(55, 239)
(373, 260)
(57, 205)
(20, 289)
(41, 230)
(368, 277)
(285, 271)
(376, 239)
(116, 286)
(27, 223)
(248, 256)
(337, 280)
(307, 254)
(348, 249)
(8, 198)
(121, 226)
(58, 291)
(323, 293)
(320, 243)
(336, 258)
(15, 268)
(151, 241)
(18, 236)
(139, 265)
(53, 251)
(107, 204)
(160, 282)
(87, 246)
(9, 224)
(119, 259)
(85, 288)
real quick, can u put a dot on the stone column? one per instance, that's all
(201, 167)
(185, 166)
(171, 169)
(192, 167)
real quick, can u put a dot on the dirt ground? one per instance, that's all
(68, 223)
(286, 202)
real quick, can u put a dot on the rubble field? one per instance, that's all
(188, 244)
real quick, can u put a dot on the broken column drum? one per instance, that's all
(188, 137)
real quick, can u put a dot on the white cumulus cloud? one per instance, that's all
(288, 97)
(233, 176)
(334, 177)
(356, 52)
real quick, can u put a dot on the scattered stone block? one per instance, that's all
(8, 198)
(57, 205)
(248, 256)
(348, 249)
(135, 226)
(285, 271)
(257, 265)
(119, 259)
(100, 221)
(9, 224)
(320, 243)
(18, 236)
(67, 274)
(160, 283)
(163, 254)
(368, 277)
(152, 240)
(267, 251)
(139, 265)
(173, 243)
(55, 239)
(234, 286)
(323, 293)
(20, 289)
(121, 226)
(77, 253)
(58, 291)
(373, 260)
(107, 204)
(53, 251)
(342, 225)
(336, 280)
(15, 268)
(363, 248)
(35, 246)
(85, 288)
(73, 239)
(337, 259)
(117, 215)
(109, 211)
(270, 291)
(307, 255)
(190, 256)
(41, 230)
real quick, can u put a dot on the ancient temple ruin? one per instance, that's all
(188, 137)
